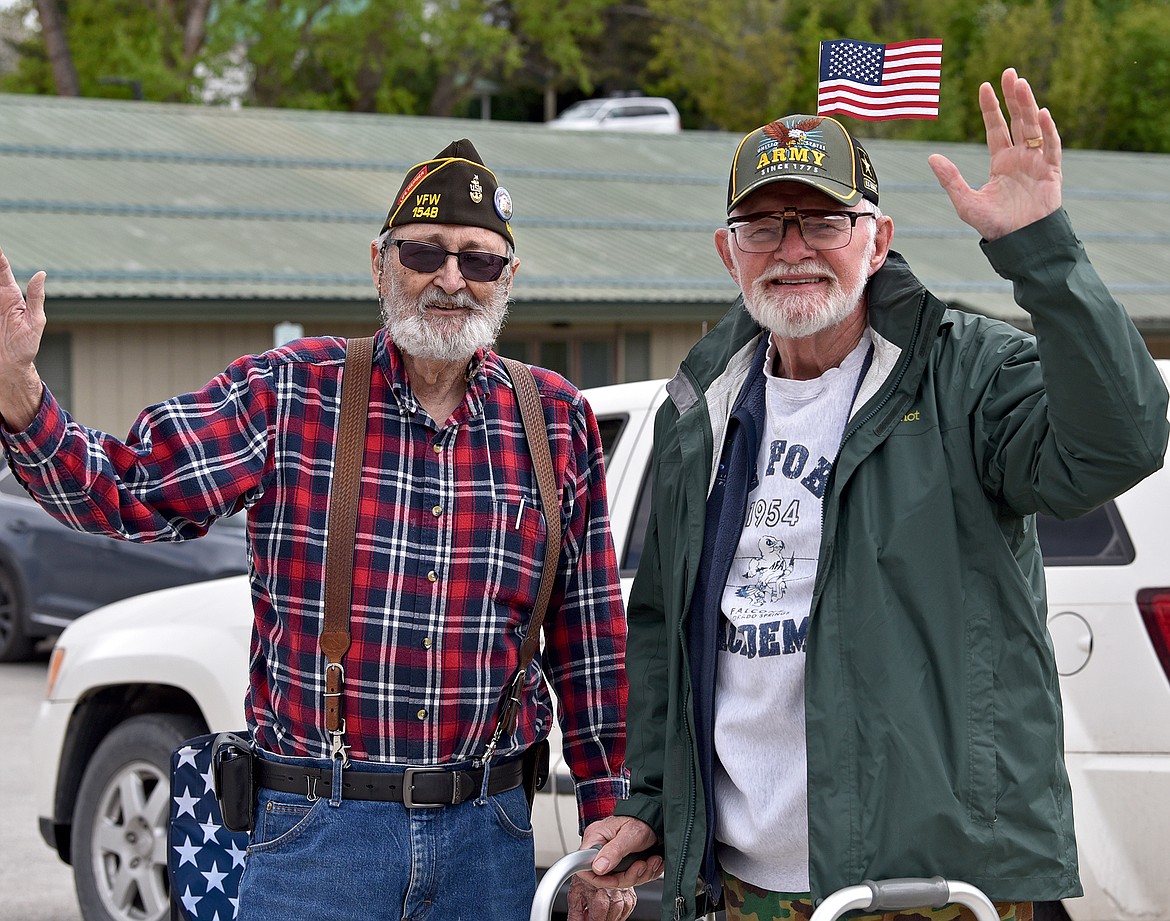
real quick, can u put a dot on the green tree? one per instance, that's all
(734, 59)
(412, 56)
(1137, 93)
(1102, 66)
(114, 47)
(745, 62)
(1061, 48)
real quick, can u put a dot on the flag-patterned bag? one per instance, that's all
(205, 860)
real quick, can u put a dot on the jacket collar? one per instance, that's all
(902, 315)
(896, 298)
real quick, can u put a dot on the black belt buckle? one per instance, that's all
(408, 799)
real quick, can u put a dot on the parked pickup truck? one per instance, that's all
(131, 680)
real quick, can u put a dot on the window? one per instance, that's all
(596, 363)
(555, 356)
(611, 428)
(587, 362)
(1098, 538)
(637, 356)
(637, 536)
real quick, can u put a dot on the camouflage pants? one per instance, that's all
(745, 902)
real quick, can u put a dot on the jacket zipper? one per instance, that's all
(891, 390)
(680, 901)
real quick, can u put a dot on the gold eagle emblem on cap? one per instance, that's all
(790, 135)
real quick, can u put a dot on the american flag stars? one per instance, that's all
(860, 60)
(206, 860)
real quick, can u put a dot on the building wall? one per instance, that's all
(118, 369)
(670, 345)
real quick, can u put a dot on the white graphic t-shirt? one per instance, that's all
(761, 782)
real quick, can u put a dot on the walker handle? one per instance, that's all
(573, 863)
(898, 894)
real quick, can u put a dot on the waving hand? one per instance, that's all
(21, 324)
(1024, 184)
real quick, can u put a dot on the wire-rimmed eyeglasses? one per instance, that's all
(763, 232)
(426, 257)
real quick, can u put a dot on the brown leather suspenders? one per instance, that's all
(537, 431)
(343, 506)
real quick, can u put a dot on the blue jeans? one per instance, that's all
(371, 861)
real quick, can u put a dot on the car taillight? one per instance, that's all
(1154, 603)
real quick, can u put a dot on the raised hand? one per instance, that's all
(1024, 184)
(21, 324)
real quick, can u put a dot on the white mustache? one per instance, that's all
(433, 297)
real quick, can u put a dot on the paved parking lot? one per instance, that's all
(34, 884)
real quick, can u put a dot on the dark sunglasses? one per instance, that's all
(426, 257)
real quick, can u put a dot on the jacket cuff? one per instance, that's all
(1023, 251)
(648, 810)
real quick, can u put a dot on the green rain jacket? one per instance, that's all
(934, 726)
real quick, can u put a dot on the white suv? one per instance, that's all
(651, 114)
(133, 679)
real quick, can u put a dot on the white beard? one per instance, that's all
(433, 336)
(798, 316)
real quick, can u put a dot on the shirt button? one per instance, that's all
(438, 448)
(422, 714)
(426, 642)
(432, 576)
(437, 511)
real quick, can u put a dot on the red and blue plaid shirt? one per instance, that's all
(450, 543)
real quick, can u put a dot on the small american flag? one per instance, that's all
(875, 82)
(205, 860)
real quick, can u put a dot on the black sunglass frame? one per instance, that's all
(464, 259)
(796, 216)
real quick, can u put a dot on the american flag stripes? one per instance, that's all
(205, 860)
(876, 82)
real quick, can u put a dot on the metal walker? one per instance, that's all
(883, 895)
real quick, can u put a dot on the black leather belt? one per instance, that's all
(414, 788)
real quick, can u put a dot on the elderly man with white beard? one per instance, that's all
(414, 803)
(886, 704)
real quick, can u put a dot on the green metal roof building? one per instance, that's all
(176, 237)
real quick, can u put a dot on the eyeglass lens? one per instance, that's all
(821, 230)
(473, 265)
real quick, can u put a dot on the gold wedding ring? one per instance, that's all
(1034, 143)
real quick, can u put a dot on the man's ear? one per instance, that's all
(723, 248)
(377, 254)
(883, 240)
